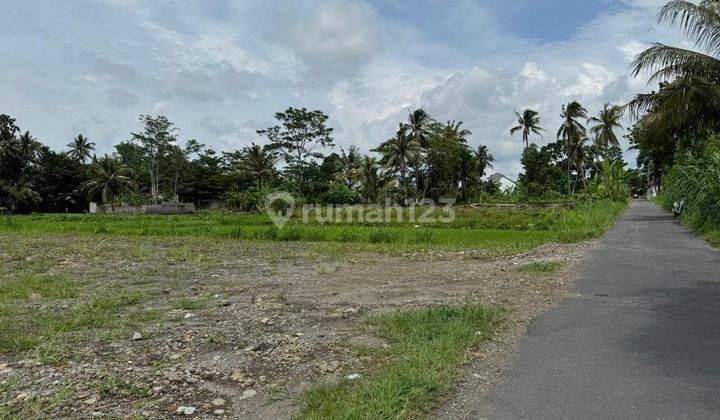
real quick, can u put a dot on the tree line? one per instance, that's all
(424, 159)
(677, 133)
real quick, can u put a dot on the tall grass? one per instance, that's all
(696, 180)
(505, 230)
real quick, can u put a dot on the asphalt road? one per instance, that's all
(639, 336)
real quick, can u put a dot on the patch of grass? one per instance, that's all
(49, 286)
(416, 371)
(113, 385)
(190, 303)
(23, 329)
(544, 267)
(35, 406)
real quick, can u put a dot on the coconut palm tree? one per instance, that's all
(573, 136)
(578, 156)
(27, 147)
(419, 122)
(571, 126)
(8, 148)
(454, 130)
(258, 163)
(529, 123)
(484, 159)
(81, 149)
(372, 179)
(109, 177)
(19, 193)
(399, 151)
(689, 92)
(351, 161)
(604, 126)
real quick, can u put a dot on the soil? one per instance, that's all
(278, 319)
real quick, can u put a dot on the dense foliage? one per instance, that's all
(678, 124)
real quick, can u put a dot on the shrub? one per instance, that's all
(383, 236)
(695, 180)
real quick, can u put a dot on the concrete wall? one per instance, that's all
(165, 208)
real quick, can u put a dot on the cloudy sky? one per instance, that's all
(219, 69)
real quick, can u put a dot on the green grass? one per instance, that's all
(696, 181)
(46, 331)
(190, 303)
(504, 230)
(35, 406)
(416, 371)
(545, 267)
(32, 285)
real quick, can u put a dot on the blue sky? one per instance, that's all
(220, 69)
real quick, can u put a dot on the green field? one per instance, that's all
(508, 230)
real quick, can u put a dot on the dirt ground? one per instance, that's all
(264, 321)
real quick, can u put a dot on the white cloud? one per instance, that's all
(221, 69)
(592, 81)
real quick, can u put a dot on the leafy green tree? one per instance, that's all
(8, 140)
(610, 182)
(81, 148)
(57, 179)
(110, 178)
(529, 123)
(299, 137)
(154, 142)
(542, 174)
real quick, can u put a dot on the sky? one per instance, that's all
(220, 69)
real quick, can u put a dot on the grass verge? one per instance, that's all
(416, 371)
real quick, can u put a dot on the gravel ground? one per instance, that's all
(275, 319)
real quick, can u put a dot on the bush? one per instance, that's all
(695, 180)
(340, 194)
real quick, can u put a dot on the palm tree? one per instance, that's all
(573, 135)
(529, 123)
(454, 130)
(27, 147)
(9, 148)
(258, 163)
(351, 161)
(570, 126)
(19, 193)
(399, 151)
(81, 148)
(419, 121)
(605, 124)
(109, 177)
(578, 155)
(373, 179)
(689, 80)
(484, 159)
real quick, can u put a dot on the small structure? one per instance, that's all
(504, 182)
(164, 208)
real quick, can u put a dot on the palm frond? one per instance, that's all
(700, 22)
